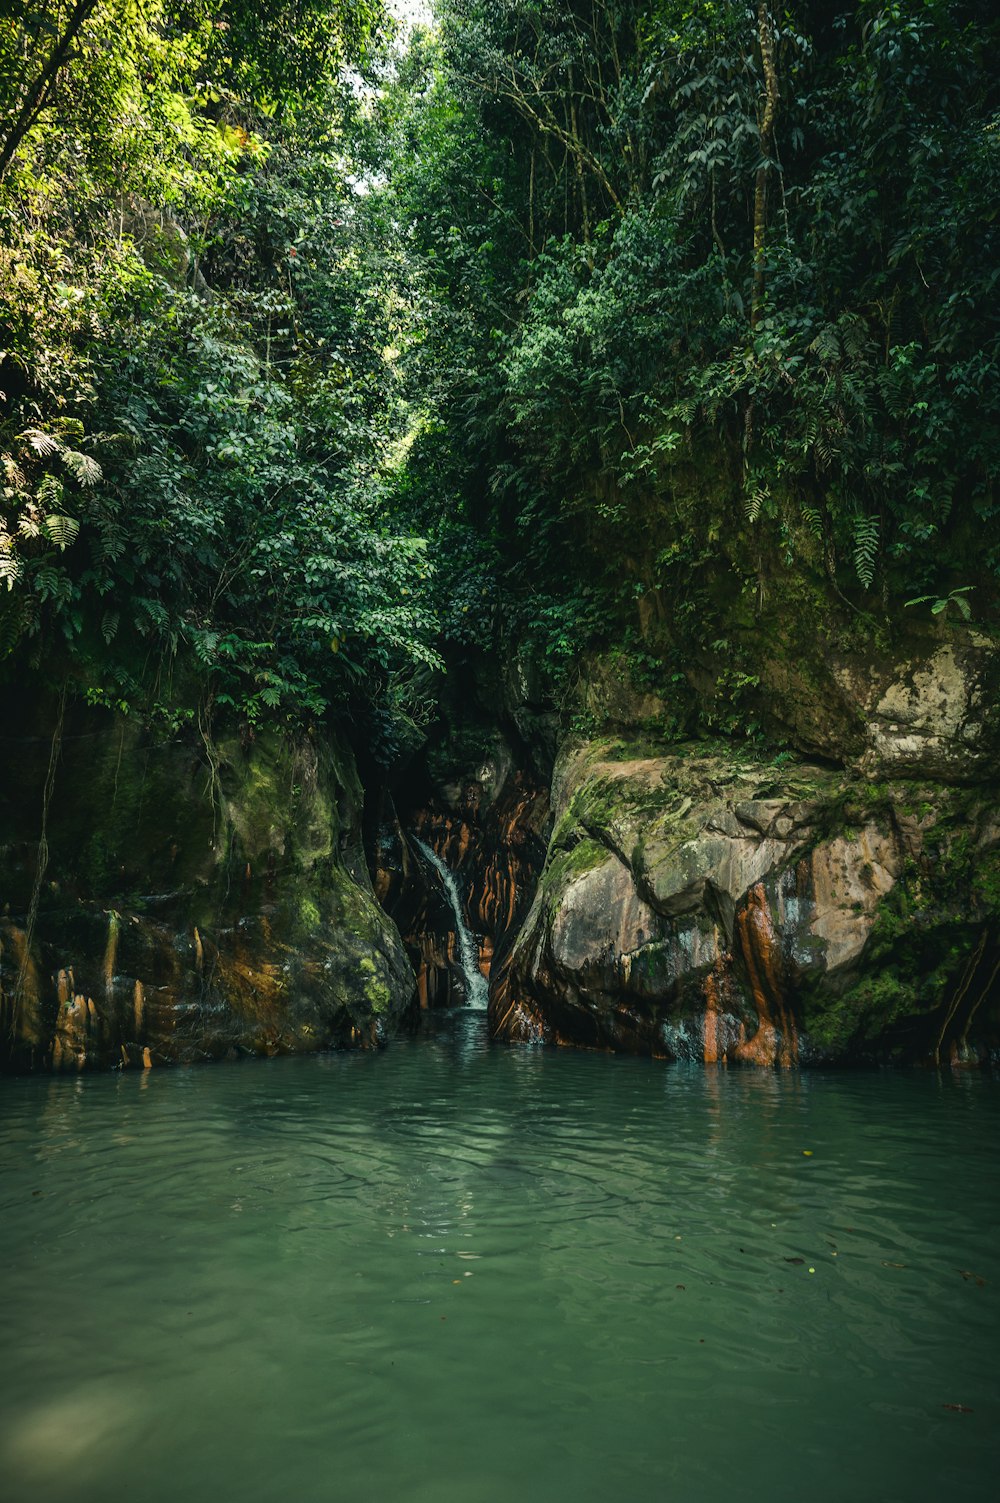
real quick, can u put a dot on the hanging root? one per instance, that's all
(214, 787)
(978, 1003)
(967, 975)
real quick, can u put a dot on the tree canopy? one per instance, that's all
(197, 322)
(326, 359)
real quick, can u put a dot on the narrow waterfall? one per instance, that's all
(476, 990)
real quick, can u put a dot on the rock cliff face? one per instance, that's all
(487, 827)
(184, 899)
(931, 711)
(930, 706)
(705, 905)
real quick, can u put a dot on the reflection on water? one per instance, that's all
(458, 1272)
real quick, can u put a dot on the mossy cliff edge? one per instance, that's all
(776, 822)
(184, 898)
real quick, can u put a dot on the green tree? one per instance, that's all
(198, 318)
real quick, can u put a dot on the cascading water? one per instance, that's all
(476, 990)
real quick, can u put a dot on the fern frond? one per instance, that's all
(11, 568)
(150, 615)
(44, 444)
(13, 474)
(754, 501)
(866, 536)
(51, 583)
(826, 345)
(813, 522)
(60, 530)
(205, 644)
(50, 492)
(85, 470)
(11, 624)
(854, 332)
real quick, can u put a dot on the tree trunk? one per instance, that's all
(38, 92)
(765, 35)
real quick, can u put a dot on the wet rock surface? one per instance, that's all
(932, 714)
(192, 899)
(489, 830)
(704, 905)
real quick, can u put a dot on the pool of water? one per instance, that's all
(456, 1272)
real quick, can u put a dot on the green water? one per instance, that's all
(452, 1272)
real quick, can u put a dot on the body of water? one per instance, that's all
(461, 1274)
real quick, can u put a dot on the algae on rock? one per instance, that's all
(202, 899)
(706, 904)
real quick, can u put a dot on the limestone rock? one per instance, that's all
(935, 715)
(929, 708)
(847, 877)
(924, 704)
(701, 905)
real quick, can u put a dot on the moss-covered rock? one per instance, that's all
(185, 898)
(706, 903)
(924, 706)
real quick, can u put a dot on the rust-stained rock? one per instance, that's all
(196, 903)
(714, 907)
(487, 829)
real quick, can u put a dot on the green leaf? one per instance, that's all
(61, 530)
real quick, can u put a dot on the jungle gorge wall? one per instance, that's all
(170, 897)
(488, 824)
(710, 901)
(183, 898)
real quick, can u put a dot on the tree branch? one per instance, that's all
(38, 92)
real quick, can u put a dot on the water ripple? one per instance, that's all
(459, 1272)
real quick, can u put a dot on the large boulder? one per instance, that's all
(707, 905)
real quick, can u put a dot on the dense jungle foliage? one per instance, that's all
(328, 356)
(197, 327)
(715, 315)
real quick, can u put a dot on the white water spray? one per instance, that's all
(476, 990)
